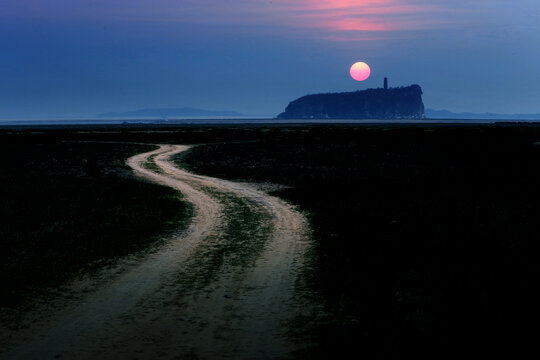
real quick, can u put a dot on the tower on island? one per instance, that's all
(385, 83)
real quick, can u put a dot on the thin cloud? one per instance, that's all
(330, 16)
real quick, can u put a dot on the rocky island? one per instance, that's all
(381, 103)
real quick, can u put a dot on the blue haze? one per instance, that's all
(482, 58)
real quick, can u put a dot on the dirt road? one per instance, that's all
(224, 288)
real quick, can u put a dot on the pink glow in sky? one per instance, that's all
(81, 57)
(360, 71)
(331, 18)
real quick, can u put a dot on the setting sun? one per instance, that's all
(360, 71)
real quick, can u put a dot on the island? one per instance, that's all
(382, 103)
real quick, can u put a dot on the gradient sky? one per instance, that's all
(82, 57)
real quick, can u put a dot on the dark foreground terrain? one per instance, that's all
(426, 238)
(69, 207)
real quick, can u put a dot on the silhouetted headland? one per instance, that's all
(381, 103)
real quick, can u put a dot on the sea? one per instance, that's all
(249, 121)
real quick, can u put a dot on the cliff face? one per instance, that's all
(394, 103)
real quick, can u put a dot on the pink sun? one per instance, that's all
(360, 71)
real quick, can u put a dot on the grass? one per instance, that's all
(425, 238)
(71, 207)
(151, 165)
(236, 245)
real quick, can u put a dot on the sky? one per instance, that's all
(79, 58)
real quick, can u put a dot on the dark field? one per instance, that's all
(71, 207)
(426, 238)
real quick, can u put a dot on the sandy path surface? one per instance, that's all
(196, 297)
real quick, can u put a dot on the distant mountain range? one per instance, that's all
(445, 114)
(171, 112)
(189, 112)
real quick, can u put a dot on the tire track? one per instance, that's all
(150, 311)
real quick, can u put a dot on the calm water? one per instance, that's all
(259, 121)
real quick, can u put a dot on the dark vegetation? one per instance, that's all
(68, 207)
(394, 103)
(236, 247)
(426, 238)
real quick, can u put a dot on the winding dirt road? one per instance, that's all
(223, 288)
